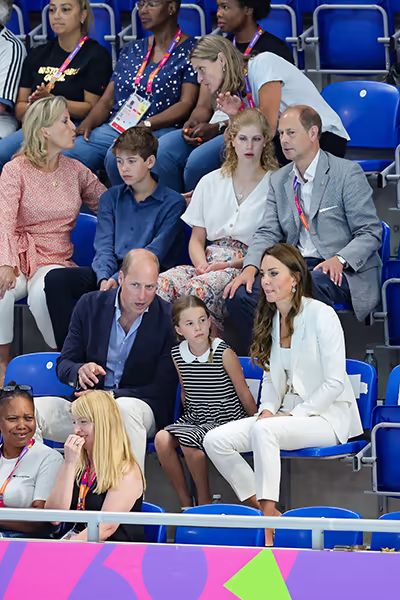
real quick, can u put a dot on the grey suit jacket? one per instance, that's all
(342, 220)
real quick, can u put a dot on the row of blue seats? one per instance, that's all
(352, 39)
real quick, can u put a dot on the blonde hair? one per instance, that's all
(250, 116)
(209, 47)
(40, 114)
(112, 454)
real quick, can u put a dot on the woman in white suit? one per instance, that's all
(307, 398)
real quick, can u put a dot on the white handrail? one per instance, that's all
(317, 525)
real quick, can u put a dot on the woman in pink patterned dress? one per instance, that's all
(227, 207)
(41, 193)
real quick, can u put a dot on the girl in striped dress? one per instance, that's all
(214, 392)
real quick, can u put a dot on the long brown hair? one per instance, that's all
(288, 255)
(189, 301)
(250, 116)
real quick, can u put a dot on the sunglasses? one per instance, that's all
(9, 389)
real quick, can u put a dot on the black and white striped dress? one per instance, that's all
(210, 397)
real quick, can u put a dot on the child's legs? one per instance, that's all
(196, 461)
(166, 445)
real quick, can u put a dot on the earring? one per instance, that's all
(293, 290)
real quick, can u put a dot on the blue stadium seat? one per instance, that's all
(384, 253)
(390, 314)
(385, 446)
(352, 39)
(154, 534)
(19, 20)
(284, 21)
(372, 141)
(39, 371)
(301, 538)
(221, 536)
(383, 539)
(366, 403)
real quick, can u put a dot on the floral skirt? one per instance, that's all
(182, 280)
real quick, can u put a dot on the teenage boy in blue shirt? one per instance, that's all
(140, 213)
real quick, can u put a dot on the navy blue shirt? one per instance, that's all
(124, 224)
(167, 86)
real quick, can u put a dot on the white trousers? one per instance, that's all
(33, 288)
(54, 422)
(265, 437)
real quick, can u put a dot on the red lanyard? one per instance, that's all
(70, 57)
(253, 41)
(302, 216)
(8, 479)
(161, 64)
(84, 488)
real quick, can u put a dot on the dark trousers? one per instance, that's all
(63, 288)
(241, 308)
(330, 142)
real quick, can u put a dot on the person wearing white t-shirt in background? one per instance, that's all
(227, 207)
(28, 468)
(12, 54)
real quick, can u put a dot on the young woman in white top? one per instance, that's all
(227, 207)
(306, 400)
(28, 468)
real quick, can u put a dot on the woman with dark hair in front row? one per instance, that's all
(28, 468)
(307, 398)
(99, 471)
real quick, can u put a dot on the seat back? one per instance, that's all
(383, 539)
(156, 534)
(364, 380)
(384, 250)
(106, 24)
(284, 19)
(253, 375)
(221, 536)
(19, 19)
(356, 101)
(348, 37)
(301, 538)
(39, 371)
(392, 397)
(387, 448)
(391, 292)
(82, 237)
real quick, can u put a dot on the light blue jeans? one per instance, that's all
(96, 152)
(180, 166)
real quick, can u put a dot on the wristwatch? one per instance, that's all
(342, 261)
(147, 123)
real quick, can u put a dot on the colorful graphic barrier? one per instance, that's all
(73, 571)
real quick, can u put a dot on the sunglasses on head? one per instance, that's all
(9, 389)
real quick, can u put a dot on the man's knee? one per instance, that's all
(56, 280)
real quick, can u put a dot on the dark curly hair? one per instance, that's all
(261, 8)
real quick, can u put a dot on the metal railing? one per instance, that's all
(93, 520)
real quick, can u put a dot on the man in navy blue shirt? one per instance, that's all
(140, 213)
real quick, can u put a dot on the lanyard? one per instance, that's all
(161, 64)
(296, 185)
(249, 93)
(253, 41)
(84, 488)
(8, 479)
(70, 57)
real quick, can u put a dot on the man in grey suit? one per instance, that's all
(323, 205)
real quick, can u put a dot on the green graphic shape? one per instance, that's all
(259, 579)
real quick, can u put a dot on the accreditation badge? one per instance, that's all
(130, 113)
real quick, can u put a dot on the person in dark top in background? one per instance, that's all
(99, 471)
(239, 19)
(183, 157)
(83, 80)
(140, 213)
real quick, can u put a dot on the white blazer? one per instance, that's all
(318, 366)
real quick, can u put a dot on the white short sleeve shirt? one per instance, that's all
(34, 477)
(296, 89)
(214, 207)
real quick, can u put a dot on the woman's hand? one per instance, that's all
(40, 92)
(265, 414)
(203, 132)
(72, 449)
(201, 268)
(7, 280)
(85, 128)
(229, 104)
(217, 266)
